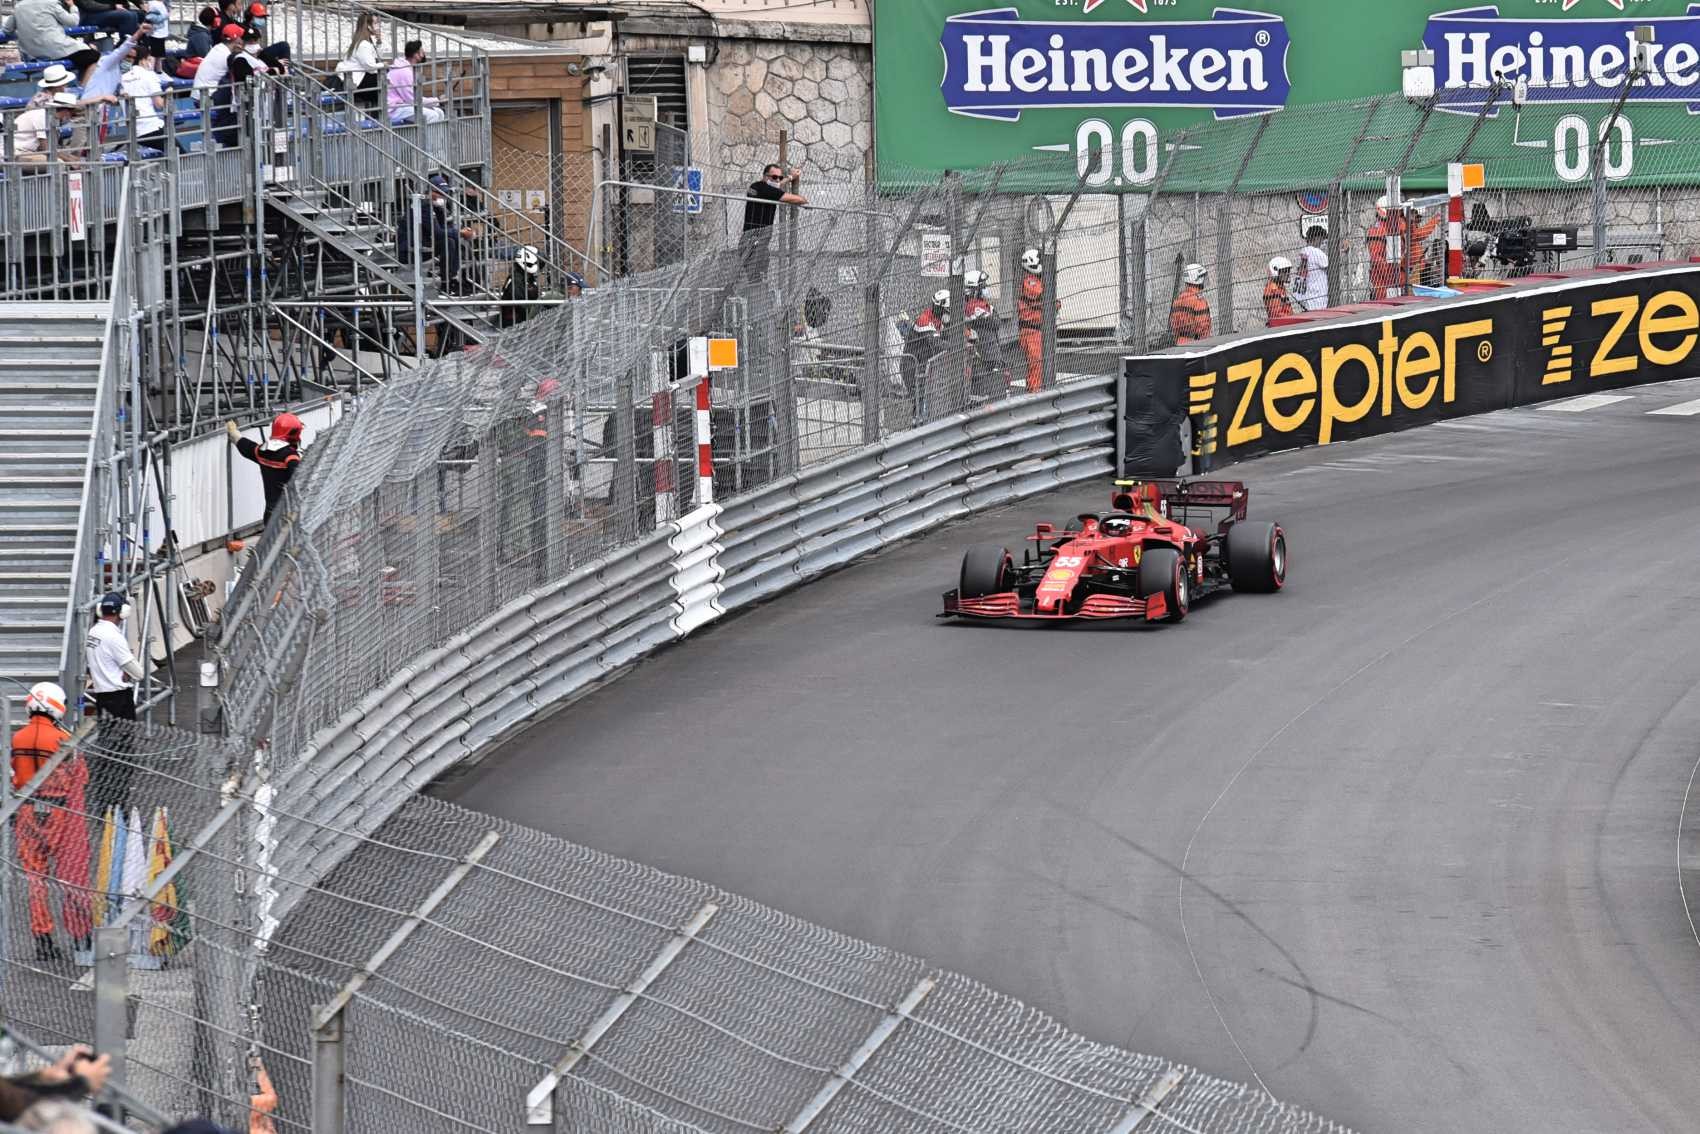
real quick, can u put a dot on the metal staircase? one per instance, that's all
(50, 358)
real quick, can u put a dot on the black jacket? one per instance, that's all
(278, 461)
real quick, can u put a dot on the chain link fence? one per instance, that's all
(416, 970)
(457, 489)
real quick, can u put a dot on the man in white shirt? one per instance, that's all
(141, 84)
(113, 673)
(215, 65)
(1312, 274)
(30, 129)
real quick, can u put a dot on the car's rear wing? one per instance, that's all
(1182, 494)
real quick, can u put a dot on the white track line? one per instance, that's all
(1681, 409)
(1586, 402)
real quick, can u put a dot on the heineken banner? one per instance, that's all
(966, 84)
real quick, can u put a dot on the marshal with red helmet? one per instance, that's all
(277, 458)
(1163, 545)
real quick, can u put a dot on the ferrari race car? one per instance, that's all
(1164, 545)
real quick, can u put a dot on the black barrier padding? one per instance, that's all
(1360, 376)
(1152, 412)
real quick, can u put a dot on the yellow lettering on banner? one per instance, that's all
(1275, 389)
(1334, 359)
(1249, 372)
(1686, 319)
(1418, 358)
(1624, 307)
(1476, 329)
(1389, 347)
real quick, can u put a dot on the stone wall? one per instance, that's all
(817, 91)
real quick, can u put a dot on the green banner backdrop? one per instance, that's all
(1106, 86)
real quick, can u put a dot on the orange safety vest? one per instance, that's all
(1275, 301)
(1189, 315)
(1030, 308)
(33, 746)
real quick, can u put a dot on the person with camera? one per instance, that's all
(77, 1074)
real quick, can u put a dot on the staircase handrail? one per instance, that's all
(114, 355)
(555, 252)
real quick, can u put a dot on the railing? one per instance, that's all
(406, 149)
(115, 362)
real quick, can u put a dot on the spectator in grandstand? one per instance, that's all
(438, 237)
(276, 55)
(278, 458)
(251, 60)
(40, 27)
(55, 78)
(31, 128)
(760, 208)
(202, 35)
(1189, 314)
(106, 76)
(157, 15)
(51, 830)
(1311, 279)
(359, 68)
(142, 85)
(1277, 302)
(215, 67)
(521, 290)
(75, 1074)
(228, 97)
(402, 79)
(120, 17)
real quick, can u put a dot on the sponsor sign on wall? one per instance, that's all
(1360, 376)
(965, 84)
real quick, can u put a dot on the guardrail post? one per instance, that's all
(872, 378)
(329, 1077)
(111, 994)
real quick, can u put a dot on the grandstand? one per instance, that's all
(218, 275)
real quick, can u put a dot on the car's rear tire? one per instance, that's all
(1162, 571)
(986, 570)
(1257, 557)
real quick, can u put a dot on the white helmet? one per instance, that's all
(1194, 274)
(526, 259)
(941, 299)
(1030, 260)
(1381, 204)
(1278, 265)
(974, 281)
(46, 697)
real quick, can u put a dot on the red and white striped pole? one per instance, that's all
(705, 444)
(661, 422)
(1454, 220)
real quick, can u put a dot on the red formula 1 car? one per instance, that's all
(1164, 545)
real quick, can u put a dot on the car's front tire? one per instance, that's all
(986, 570)
(1162, 571)
(1257, 557)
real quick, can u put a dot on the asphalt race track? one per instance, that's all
(1402, 842)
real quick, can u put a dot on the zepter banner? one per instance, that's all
(1358, 376)
(1112, 88)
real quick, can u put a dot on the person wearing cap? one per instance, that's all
(521, 290)
(215, 65)
(575, 285)
(278, 458)
(113, 673)
(439, 238)
(402, 79)
(40, 27)
(256, 18)
(51, 831)
(30, 129)
(1310, 278)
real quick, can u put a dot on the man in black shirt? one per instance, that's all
(277, 458)
(759, 211)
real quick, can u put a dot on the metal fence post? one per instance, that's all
(329, 1079)
(111, 994)
(873, 382)
(957, 352)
